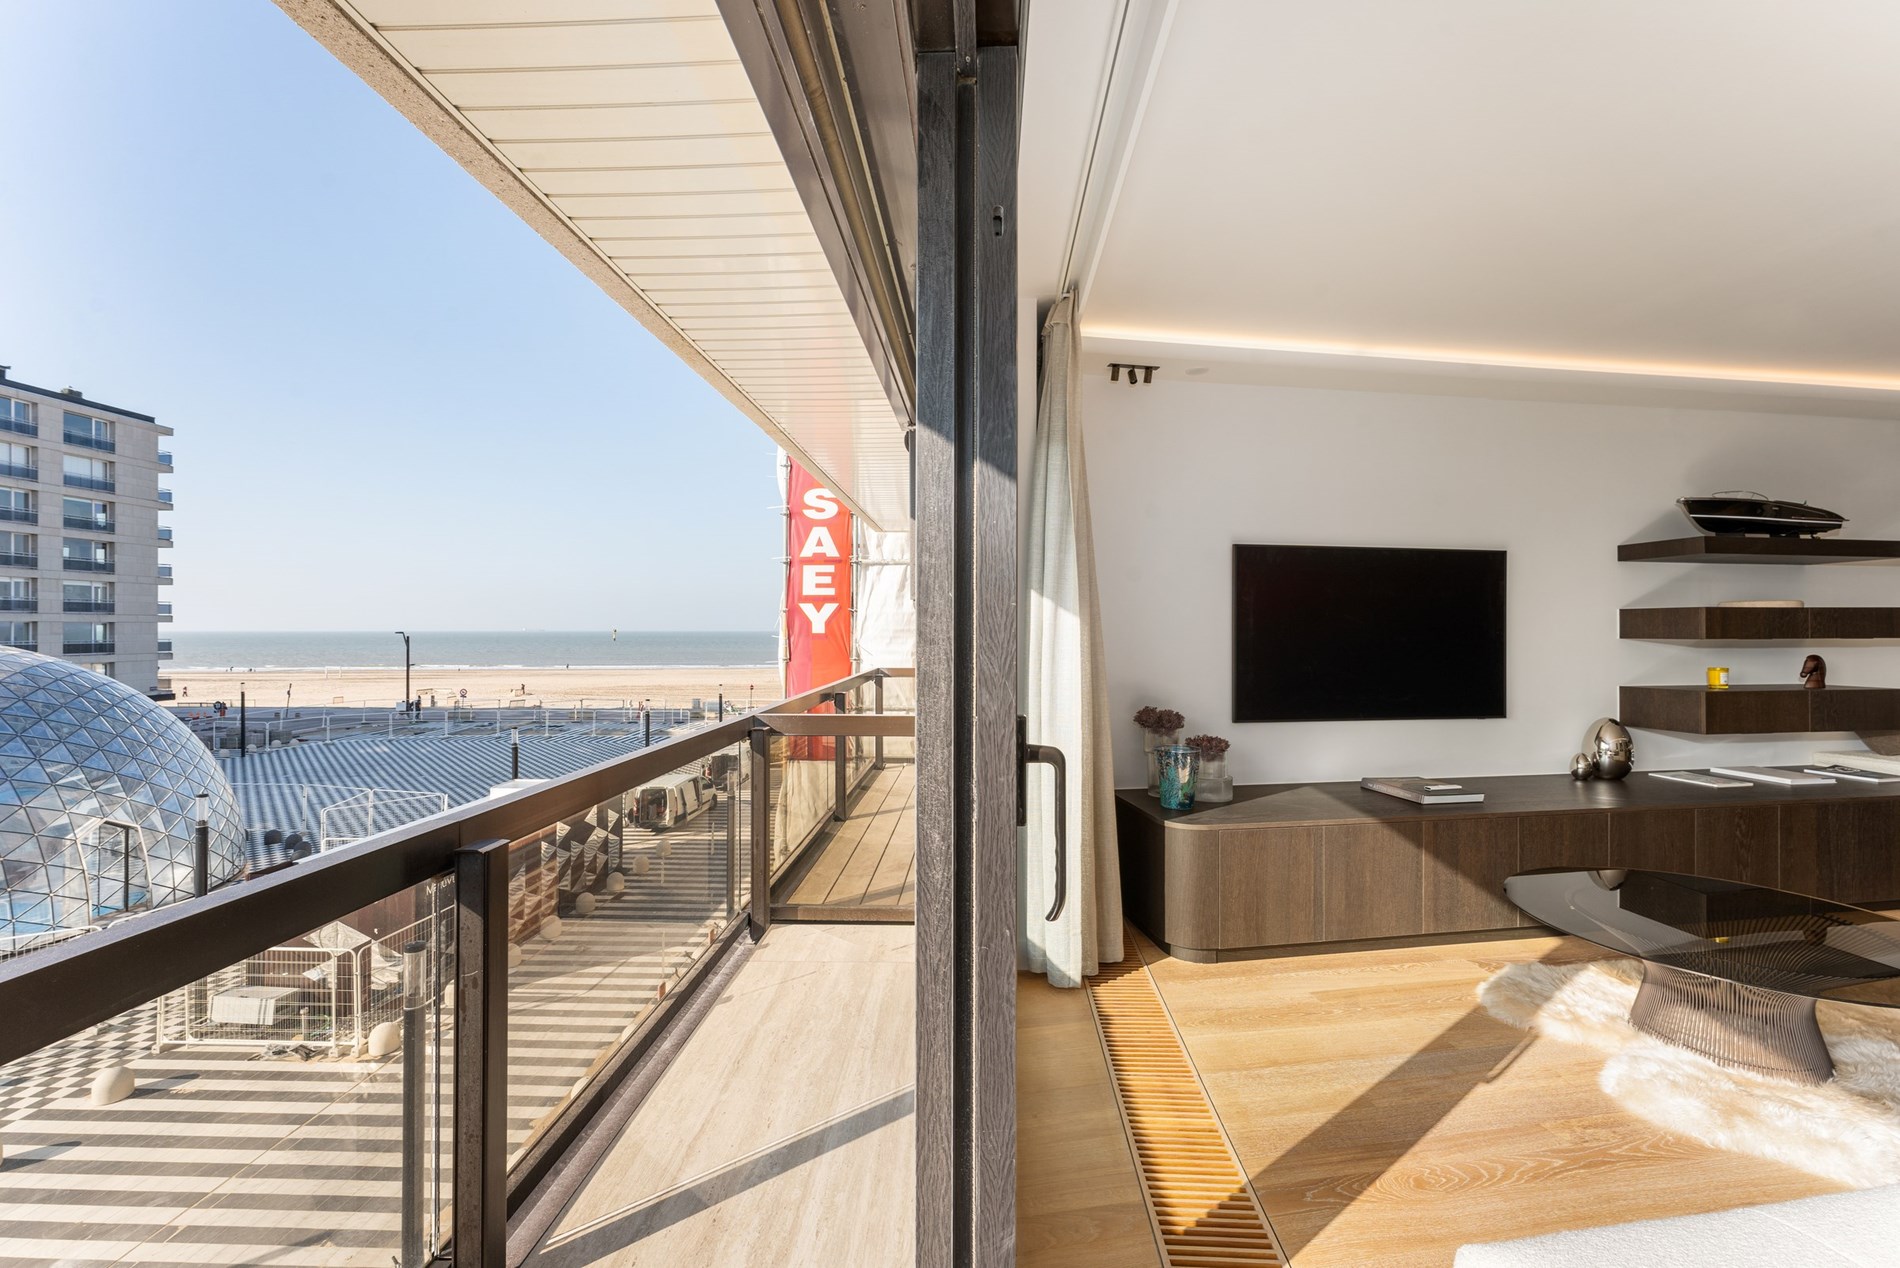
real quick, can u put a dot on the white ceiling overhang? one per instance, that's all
(1686, 203)
(627, 133)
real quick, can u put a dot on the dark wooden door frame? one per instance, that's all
(967, 648)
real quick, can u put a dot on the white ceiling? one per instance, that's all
(631, 129)
(1698, 189)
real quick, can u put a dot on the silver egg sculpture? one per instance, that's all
(1608, 746)
(1583, 766)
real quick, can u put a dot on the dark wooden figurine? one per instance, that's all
(1814, 673)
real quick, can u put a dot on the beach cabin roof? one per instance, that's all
(630, 137)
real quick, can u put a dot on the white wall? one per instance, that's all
(1180, 471)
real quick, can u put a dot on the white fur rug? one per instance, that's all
(1847, 1130)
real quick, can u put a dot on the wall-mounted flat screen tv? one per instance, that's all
(1349, 633)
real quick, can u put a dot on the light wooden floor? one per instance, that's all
(1078, 1201)
(865, 867)
(1384, 1117)
(783, 1132)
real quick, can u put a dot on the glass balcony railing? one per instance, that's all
(89, 605)
(19, 426)
(89, 482)
(18, 515)
(87, 524)
(19, 471)
(165, 573)
(164, 611)
(84, 441)
(9, 559)
(73, 563)
(596, 911)
(164, 457)
(164, 647)
(23, 644)
(164, 536)
(88, 649)
(165, 497)
(19, 605)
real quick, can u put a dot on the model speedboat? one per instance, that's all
(1738, 512)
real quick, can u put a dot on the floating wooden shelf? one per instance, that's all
(1758, 550)
(1759, 624)
(1760, 710)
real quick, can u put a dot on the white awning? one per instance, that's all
(627, 134)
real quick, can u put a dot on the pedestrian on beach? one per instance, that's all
(432, 699)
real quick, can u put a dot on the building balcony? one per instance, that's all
(165, 459)
(164, 649)
(20, 605)
(84, 441)
(87, 482)
(19, 471)
(164, 611)
(11, 560)
(656, 927)
(164, 574)
(87, 565)
(19, 427)
(23, 645)
(14, 515)
(164, 536)
(87, 649)
(86, 524)
(88, 605)
(165, 497)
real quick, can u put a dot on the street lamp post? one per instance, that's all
(405, 667)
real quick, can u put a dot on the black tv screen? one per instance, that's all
(1348, 633)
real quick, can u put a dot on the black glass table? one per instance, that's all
(1730, 971)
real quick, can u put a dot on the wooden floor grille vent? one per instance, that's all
(1203, 1208)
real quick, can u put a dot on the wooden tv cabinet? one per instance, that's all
(1288, 865)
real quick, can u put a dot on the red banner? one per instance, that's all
(817, 589)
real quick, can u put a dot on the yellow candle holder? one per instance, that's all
(1718, 677)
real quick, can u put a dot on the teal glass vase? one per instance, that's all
(1180, 768)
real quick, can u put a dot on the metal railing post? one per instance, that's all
(761, 759)
(733, 785)
(877, 706)
(415, 1250)
(481, 1055)
(840, 761)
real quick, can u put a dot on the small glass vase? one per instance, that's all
(1212, 784)
(1180, 766)
(1153, 742)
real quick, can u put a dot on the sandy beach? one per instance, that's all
(603, 687)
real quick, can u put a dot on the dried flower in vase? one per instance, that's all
(1149, 718)
(1209, 746)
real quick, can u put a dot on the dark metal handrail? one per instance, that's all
(64, 989)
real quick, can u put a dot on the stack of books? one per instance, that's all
(1426, 792)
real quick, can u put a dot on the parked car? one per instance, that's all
(671, 800)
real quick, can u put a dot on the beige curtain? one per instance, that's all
(1065, 694)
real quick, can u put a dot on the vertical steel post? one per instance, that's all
(201, 847)
(761, 758)
(481, 1055)
(840, 761)
(734, 782)
(414, 1080)
(243, 735)
(877, 706)
(514, 751)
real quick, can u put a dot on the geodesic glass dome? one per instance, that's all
(97, 809)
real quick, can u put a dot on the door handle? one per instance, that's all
(1045, 755)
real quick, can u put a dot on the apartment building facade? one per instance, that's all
(83, 568)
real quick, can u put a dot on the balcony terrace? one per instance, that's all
(627, 987)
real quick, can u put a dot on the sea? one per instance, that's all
(471, 649)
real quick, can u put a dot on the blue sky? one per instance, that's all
(396, 406)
